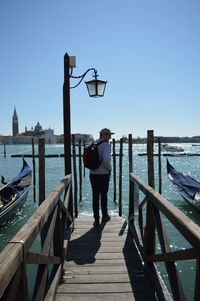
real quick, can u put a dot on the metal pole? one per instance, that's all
(66, 116)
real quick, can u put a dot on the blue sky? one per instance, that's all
(147, 50)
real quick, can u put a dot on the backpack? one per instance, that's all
(91, 156)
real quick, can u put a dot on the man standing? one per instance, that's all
(100, 177)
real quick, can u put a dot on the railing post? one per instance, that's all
(75, 176)
(150, 225)
(131, 198)
(80, 170)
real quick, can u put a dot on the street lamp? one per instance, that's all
(96, 88)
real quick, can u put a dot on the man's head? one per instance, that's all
(105, 134)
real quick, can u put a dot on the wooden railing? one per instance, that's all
(146, 225)
(50, 228)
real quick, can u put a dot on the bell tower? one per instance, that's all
(15, 124)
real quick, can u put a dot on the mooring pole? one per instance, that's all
(41, 148)
(159, 166)
(4, 149)
(150, 224)
(34, 177)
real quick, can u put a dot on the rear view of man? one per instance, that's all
(100, 177)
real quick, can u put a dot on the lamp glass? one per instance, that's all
(96, 88)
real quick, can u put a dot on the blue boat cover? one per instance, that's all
(25, 171)
(183, 182)
(22, 180)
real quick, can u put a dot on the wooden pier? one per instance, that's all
(103, 263)
(72, 260)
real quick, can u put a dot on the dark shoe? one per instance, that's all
(96, 223)
(106, 219)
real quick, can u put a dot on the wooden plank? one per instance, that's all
(98, 233)
(98, 255)
(103, 278)
(89, 219)
(78, 248)
(104, 237)
(109, 225)
(93, 270)
(103, 244)
(99, 262)
(96, 297)
(99, 288)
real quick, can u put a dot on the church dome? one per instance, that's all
(38, 127)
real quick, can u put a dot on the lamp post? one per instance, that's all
(96, 88)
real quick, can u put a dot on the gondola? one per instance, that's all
(188, 187)
(13, 194)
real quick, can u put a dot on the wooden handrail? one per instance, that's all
(184, 224)
(16, 252)
(140, 231)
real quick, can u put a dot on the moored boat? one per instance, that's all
(188, 187)
(13, 194)
(171, 148)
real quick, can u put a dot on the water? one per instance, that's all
(9, 167)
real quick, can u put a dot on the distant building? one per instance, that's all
(36, 133)
(15, 124)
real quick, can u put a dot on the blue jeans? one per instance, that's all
(100, 185)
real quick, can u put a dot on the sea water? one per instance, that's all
(54, 172)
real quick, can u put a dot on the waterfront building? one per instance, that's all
(36, 133)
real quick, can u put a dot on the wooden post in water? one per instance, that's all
(130, 152)
(80, 171)
(150, 161)
(150, 225)
(4, 148)
(120, 176)
(159, 166)
(84, 166)
(34, 176)
(41, 153)
(114, 172)
(75, 175)
(131, 190)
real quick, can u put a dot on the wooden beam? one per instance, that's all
(38, 258)
(173, 256)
